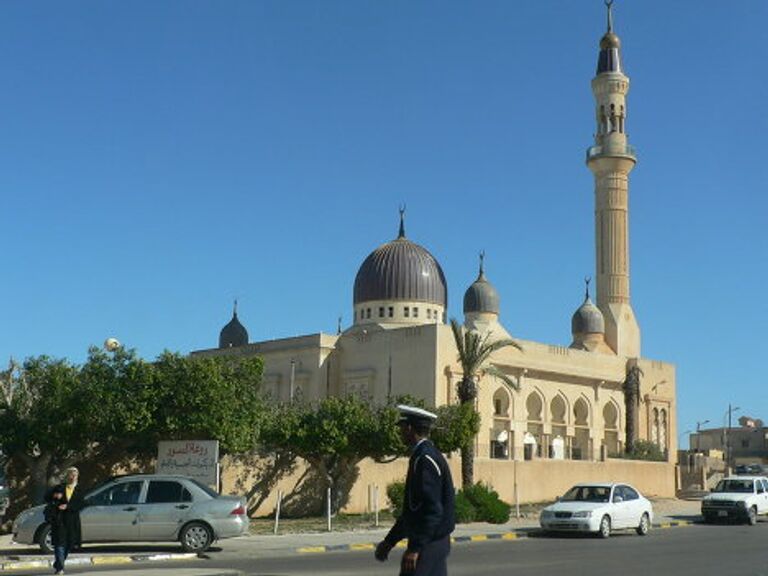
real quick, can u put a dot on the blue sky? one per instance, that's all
(160, 158)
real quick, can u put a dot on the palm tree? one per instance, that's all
(474, 351)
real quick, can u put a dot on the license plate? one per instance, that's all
(722, 513)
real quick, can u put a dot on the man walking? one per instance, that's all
(427, 517)
(63, 514)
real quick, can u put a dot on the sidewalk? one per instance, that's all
(13, 557)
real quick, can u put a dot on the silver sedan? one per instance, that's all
(147, 508)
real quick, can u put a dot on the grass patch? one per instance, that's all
(340, 523)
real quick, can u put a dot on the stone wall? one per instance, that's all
(536, 480)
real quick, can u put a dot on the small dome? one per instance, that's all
(588, 319)
(233, 334)
(401, 270)
(481, 296)
(610, 40)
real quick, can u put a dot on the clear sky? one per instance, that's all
(160, 158)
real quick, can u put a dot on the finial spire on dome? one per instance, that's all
(402, 222)
(481, 274)
(587, 280)
(609, 6)
(338, 326)
(234, 309)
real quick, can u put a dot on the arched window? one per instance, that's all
(534, 406)
(611, 428)
(581, 441)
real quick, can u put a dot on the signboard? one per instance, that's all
(198, 459)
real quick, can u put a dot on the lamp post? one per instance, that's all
(698, 430)
(729, 413)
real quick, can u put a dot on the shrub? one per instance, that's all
(645, 450)
(487, 504)
(396, 497)
(465, 511)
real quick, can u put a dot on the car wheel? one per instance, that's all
(44, 539)
(196, 537)
(644, 526)
(605, 527)
(752, 516)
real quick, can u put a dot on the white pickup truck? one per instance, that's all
(741, 498)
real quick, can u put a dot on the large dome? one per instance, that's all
(401, 270)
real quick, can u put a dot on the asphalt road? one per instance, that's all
(698, 550)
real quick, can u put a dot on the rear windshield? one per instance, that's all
(734, 486)
(587, 494)
(207, 489)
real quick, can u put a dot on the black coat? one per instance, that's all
(65, 524)
(428, 511)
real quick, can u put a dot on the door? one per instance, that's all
(166, 507)
(111, 514)
(620, 508)
(635, 506)
(762, 495)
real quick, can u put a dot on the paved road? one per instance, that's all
(699, 550)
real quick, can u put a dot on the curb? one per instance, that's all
(515, 535)
(14, 565)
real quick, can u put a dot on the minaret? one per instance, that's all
(611, 160)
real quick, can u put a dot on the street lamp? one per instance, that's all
(729, 414)
(698, 430)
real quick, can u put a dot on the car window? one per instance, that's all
(587, 494)
(732, 485)
(167, 491)
(630, 493)
(117, 495)
(760, 487)
(618, 492)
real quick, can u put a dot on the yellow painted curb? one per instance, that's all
(111, 560)
(478, 538)
(510, 536)
(361, 546)
(26, 565)
(311, 549)
(401, 544)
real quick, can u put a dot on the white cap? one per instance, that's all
(411, 414)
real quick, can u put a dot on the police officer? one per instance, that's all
(427, 517)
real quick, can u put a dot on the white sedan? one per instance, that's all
(599, 508)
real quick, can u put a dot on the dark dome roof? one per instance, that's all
(588, 319)
(481, 296)
(401, 270)
(233, 334)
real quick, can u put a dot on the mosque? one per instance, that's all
(572, 403)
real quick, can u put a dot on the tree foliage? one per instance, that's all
(54, 413)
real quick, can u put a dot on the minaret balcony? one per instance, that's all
(612, 150)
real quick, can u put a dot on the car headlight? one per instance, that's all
(583, 514)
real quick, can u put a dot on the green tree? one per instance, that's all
(474, 352)
(333, 436)
(54, 414)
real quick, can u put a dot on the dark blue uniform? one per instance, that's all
(428, 516)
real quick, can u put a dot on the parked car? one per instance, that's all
(737, 498)
(751, 470)
(147, 508)
(600, 509)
